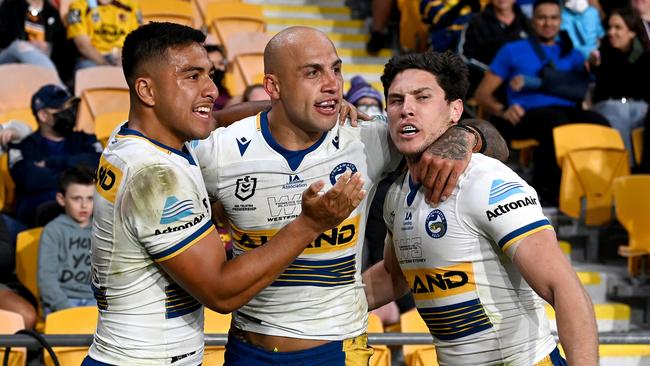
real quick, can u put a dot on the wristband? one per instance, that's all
(475, 132)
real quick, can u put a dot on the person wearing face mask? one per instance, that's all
(217, 55)
(366, 98)
(37, 162)
(582, 22)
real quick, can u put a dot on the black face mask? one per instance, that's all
(218, 76)
(65, 120)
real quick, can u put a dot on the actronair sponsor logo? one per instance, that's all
(501, 190)
(187, 225)
(505, 208)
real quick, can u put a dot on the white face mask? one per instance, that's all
(577, 6)
(371, 110)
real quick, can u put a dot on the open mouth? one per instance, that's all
(202, 112)
(326, 106)
(409, 130)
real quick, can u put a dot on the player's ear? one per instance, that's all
(456, 110)
(271, 86)
(145, 91)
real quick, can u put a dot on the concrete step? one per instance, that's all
(360, 56)
(611, 317)
(329, 3)
(325, 25)
(306, 12)
(596, 285)
(624, 354)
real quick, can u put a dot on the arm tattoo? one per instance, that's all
(495, 145)
(452, 145)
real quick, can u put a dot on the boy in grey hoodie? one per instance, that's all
(64, 250)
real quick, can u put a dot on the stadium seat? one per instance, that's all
(246, 42)
(99, 77)
(637, 143)
(95, 102)
(79, 320)
(246, 69)
(10, 323)
(422, 355)
(7, 186)
(525, 149)
(107, 122)
(27, 263)
(633, 212)
(225, 19)
(200, 7)
(218, 324)
(20, 82)
(173, 11)
(582, 136)
(382, 356)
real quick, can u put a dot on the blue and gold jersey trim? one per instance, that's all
(178, 302)
(456, 321)
(100, 296)
(127, 132)
(179, 248)
(523, 232)
(319, 273)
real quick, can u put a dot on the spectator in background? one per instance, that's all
(64, 249)
(446, 20)
(644, 167)
(501, 21)
(217, 55)
(622, 69)
(367, 99)
(37, 162)
(31, 32)
(379, 38)
(582, 22)
(532, 112)
(98, 29)
(254, 93)
(9, 299)
(12, 132)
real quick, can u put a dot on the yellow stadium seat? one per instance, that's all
(588, 175)
(218, 324)
(10, 323)
(79, 320)
(577, 136)
(633, 212)
(245, 43)
(637, 143)
(7, 185)
(21, 114)
(173, 11)
(99, 77)
(20, 82)
(226, 19)
(525, 149)
(246, 69)
(201, 6)
(95, 102)
(107, 122)
(382, 356)
(422, 355)
(27, 264)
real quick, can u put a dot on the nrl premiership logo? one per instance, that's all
(245, 187)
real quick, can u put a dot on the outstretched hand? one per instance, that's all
(329, 209)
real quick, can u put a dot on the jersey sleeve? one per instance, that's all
(206, 154)
(382, 155)
(165, 211)
(500, 205)
(77, 22)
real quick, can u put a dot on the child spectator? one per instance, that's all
(582, 22)
(64, 250)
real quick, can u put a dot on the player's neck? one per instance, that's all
(156, 131)
(288, 134)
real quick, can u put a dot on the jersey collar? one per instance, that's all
(128, 132)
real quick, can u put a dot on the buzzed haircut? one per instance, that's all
(151, 42)
(449, 69)
(540, 2)
(80, 174)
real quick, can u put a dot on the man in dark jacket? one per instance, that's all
(36, 163)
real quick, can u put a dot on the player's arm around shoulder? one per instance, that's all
(225, 286)
(547, 270)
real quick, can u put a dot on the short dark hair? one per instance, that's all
(80, 174)
(540, 2)
(151, 41)
(448, 68)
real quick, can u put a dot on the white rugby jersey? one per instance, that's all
(457, 260)
(320, 295)
(150, 205)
